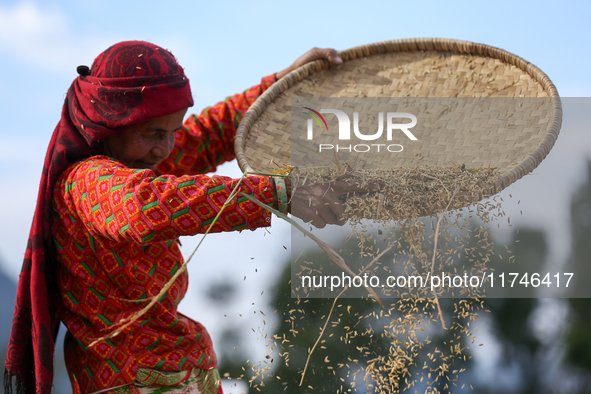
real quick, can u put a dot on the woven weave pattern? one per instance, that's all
(492, 132)
(512, 135)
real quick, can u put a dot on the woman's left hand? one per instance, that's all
(313, 54)
(320, 203)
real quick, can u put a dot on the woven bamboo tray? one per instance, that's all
(420, 68)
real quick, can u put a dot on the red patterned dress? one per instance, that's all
(115, 234)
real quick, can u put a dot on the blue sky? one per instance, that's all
(228, 46)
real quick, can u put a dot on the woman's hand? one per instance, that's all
(313, 54)
(319, 203)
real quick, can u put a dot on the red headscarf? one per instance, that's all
(129, 83)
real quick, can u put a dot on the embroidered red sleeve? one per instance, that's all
(207, 140)
(124, 204)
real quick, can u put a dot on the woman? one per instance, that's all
(121, 182)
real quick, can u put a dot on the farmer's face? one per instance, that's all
(145, 145)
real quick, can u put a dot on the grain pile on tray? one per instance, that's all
(407, 193)
(430, 194)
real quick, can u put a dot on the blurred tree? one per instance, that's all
(578, 336)
(357, 333)
(510, 318)
(538, 366)
(559, 362)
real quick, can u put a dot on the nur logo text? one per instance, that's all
(344, 132)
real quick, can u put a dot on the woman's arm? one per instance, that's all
(207, 140)
(128, 205)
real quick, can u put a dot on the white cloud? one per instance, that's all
(44, 37)
(25, 21)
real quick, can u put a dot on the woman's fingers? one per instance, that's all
(332, 56)
(313, 54)
(329, 54)
(318, 53)
(320, 203)
(308, 203)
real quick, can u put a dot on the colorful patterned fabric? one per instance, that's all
(196, 381)
(115, 235)
(128, 84)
